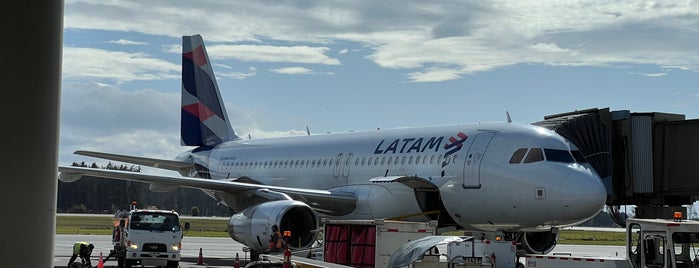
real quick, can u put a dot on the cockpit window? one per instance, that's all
(535, 155)
(518, 155)
(555, 155)
(578, 156)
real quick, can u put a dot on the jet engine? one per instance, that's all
(253, 225)
(539, 242)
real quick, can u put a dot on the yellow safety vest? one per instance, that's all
(76, 247)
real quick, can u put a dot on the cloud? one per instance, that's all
(252, 71)
(433, 75)
(93, 63)
(107, 118)
(263, 53)
(465, 37)
(342, 52)
(665, 73)
(125, 42)
(293, 70)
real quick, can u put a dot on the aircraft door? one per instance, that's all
(348, 162)
(474, 156)
(337, 166)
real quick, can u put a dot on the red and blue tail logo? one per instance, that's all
(204, 118)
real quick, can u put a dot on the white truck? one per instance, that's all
(148, 237)
(655, 243)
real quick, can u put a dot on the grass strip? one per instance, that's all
(218, 227)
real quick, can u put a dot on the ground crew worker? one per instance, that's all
(83, 250)
(275, 240)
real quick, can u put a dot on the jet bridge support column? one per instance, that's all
(31, 78)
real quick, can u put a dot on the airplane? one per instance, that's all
(520, 180)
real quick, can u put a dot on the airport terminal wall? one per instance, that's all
(645, 159)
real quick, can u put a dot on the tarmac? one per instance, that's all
(220, 252)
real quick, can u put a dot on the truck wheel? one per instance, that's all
(120, 262)
(172, 264)
(128, 263)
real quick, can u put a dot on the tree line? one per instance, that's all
(95, 195)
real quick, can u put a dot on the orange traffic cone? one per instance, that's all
(200, 261)
(100, 264)
(237, 262)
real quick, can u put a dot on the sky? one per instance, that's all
(338, 66)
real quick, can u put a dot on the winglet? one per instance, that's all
(204, 118)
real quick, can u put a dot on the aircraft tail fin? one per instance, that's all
(204, 120)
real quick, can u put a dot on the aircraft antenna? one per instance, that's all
(308, 131)
(509, 119)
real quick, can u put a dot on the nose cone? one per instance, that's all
(585, 195)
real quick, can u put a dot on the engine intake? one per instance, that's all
(539, 242)
(253, 225)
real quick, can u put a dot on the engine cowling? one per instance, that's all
(253, 225)
(539, 242)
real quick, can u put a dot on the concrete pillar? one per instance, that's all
(30, 88)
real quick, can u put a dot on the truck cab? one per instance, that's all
(662, 243)
(149, 237)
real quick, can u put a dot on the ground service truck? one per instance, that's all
(148, 237)
(650, 243)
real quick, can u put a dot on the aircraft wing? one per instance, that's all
(329, 202)
(143, 161)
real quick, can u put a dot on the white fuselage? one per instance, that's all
(469, 164)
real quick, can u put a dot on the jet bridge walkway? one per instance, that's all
(645, 159)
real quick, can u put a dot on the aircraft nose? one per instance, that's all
(586, 195)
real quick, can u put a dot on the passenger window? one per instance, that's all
(432, 159)
(417, 160)
(534, 155)
(383, 160)
(403, 161)
(410, 160)
(369, 162)
(395, 161)
(356, 162)
(518, 155)
(390, 158)
(376, 161)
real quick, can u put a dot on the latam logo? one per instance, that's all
(454, 146)
(422, 144)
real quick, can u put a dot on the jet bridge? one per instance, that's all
(644, 159)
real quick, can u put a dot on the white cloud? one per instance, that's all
(96, 63)
(342, 52)
(126, 42)
(466, 36)
(665, 73)
(433, 75)
(263, 53)
(293, 70)
(252, 71)
(101, 117)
